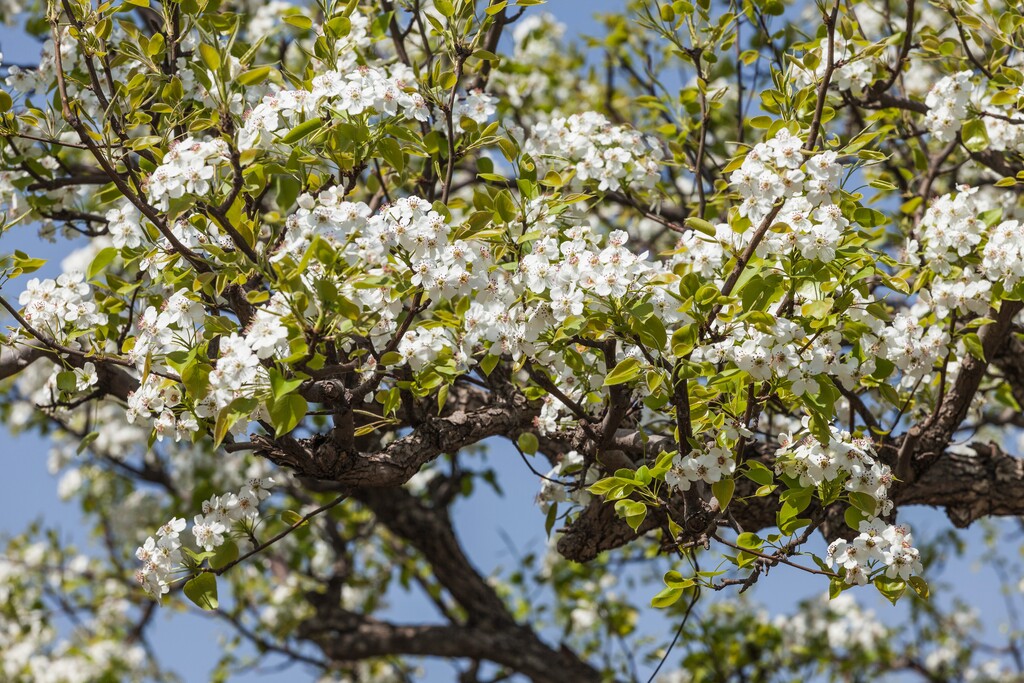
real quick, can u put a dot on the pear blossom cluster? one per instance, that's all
(267, 17)
(1004, 125)
(967, 293)
(196, 233)
(852, 72)
(171, 328)
(852, 461)
(843, 623)
(177, 326)
(1003, 254)
(566, 269)
(947, 105)
(162, 556)
(552, 492)
(239, 371)
(409, 241)
(56, 306)
(781, 352)
(950, 102)
(595, 151)
(34, 648)
(124, 224)
(953, 236)
(710, 464)
(951, 229)
(12, 199)
(155, 400)
(536, 38)
(571, 270)
(363, 90)
(190, 168)
(706, 254)
(777, 171)
(476, 105)
(547, 70)
(877, 545)
(913, 346)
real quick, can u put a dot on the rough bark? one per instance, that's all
(320, 457)
(968, 483)
(346, 637)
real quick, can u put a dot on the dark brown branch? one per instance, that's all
(346, 637)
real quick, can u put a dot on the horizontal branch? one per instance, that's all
(968, 483)
(979, 480)
(320, 457)
(347, 637)
(112, 379)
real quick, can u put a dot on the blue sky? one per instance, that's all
(483, 524)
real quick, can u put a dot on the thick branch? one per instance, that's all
(968, 485)
(926, 442)
(429, 531)
(319, 457)
(345, 637)
(1010, 361)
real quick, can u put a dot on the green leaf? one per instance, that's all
(67, 381)
(700, 225)
(677, 580)
(224, 555)
(818, 309)
(864, 502)
(489, 362)
(280, 386)
(293, 518)
(391, 152)
(973, 343)
(339, 27)
(505, 206)
(445, 7)
(920, 587)
(391, 358)
(853, 518)
(202, 590)
(974, 135)
(759, 474)
(25, 264)
(5, 102)
(749, 540)
(666, 597)
(891, 589)
(299, 21)
(302, 130)
(603, 486)
(229, 415)
(633, 511)
(156, 45)
(210, 56)
(287, 412)
(254, 76)
(627, 370)
(528, 443)
(723, 490)
(100, 262)
(86, 441)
